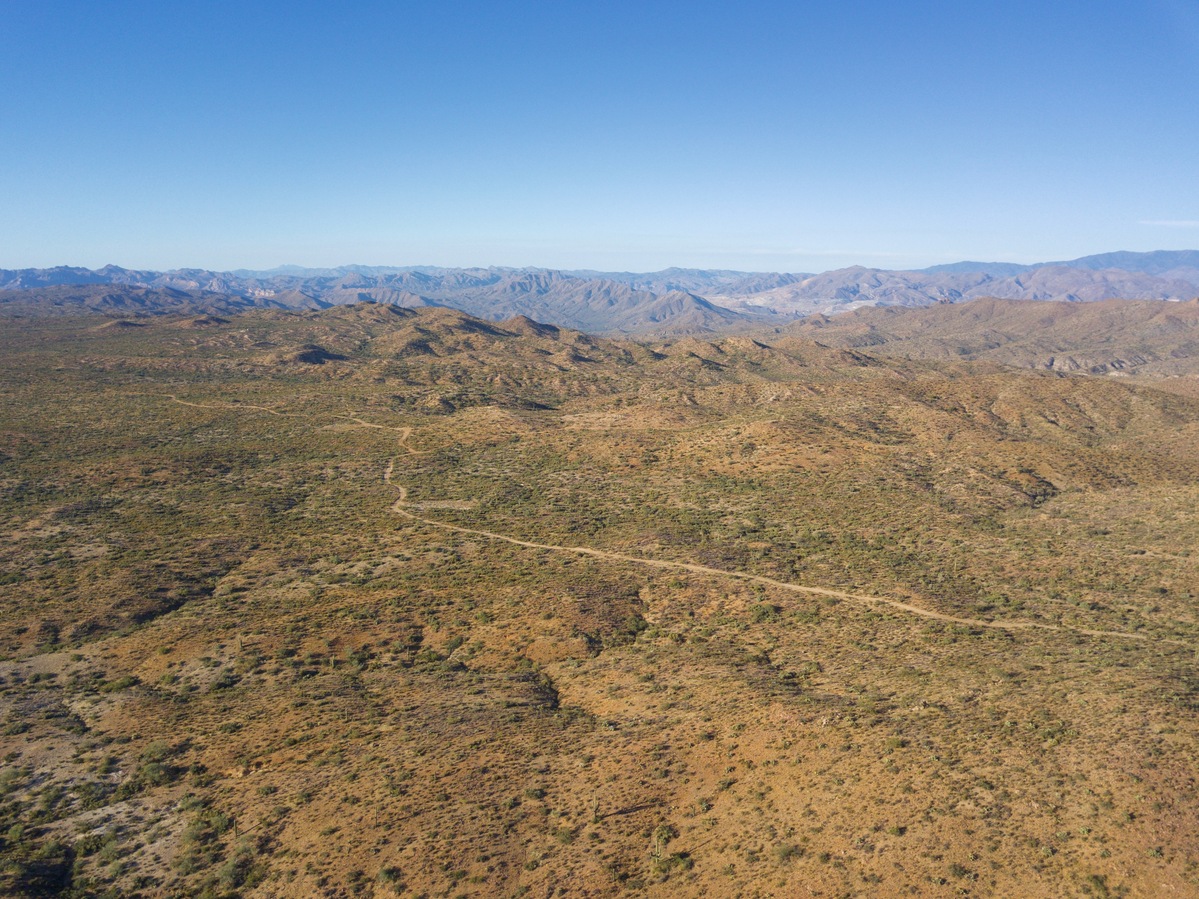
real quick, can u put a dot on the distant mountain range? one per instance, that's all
(672, 301)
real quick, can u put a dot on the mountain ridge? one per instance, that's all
(1109, 337)
(670, 301)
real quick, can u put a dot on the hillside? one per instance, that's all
(852, 288)
(117, 299)
(383, 601)
(1098, 338)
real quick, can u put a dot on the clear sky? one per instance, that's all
(585, 134)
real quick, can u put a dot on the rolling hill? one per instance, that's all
(371, 600)
(1113, 336)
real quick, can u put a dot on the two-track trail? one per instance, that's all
(402, 507)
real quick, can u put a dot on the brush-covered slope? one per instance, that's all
(124, 299)
(376, 601)
(1103, 337)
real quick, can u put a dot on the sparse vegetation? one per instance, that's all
(575, 652)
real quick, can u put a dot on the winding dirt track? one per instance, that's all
(266, 409)
(400, 507)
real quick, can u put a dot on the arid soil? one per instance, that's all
(479, 610)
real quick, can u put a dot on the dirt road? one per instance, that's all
(401, 507)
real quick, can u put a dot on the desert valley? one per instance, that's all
(366, 596)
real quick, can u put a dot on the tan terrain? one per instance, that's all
(476, 609)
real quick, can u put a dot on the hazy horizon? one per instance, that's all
(285, 266)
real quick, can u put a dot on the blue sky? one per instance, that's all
(570, 134)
